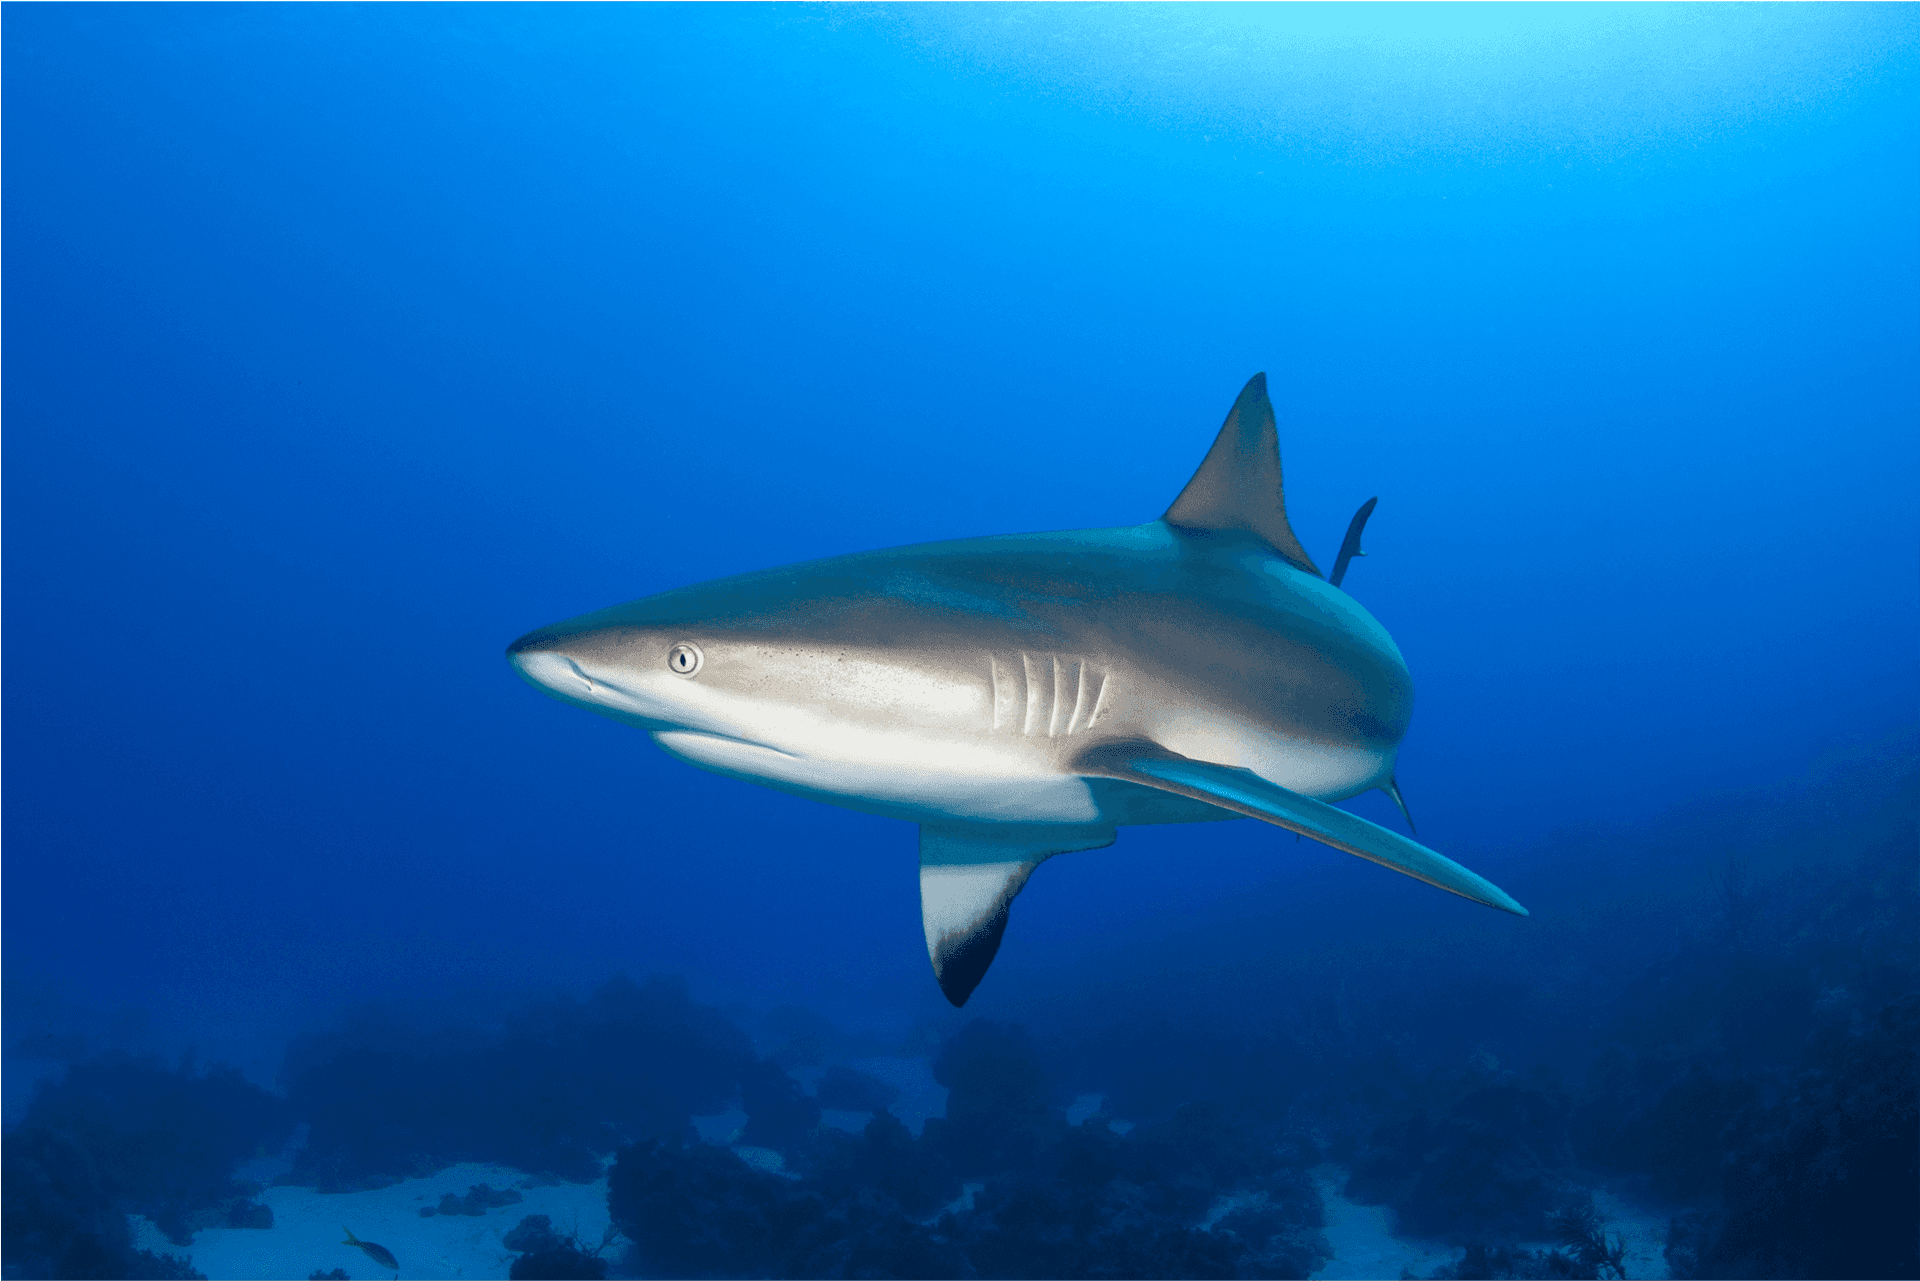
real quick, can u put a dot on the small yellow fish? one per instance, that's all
(378, 1253)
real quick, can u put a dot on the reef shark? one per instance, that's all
(1025, 695)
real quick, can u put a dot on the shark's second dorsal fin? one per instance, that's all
(1238, 485)
(1350, 546)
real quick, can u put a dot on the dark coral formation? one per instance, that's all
(165, 1140)
(121, 1135)
(547, 1255)
(479, 1199)
(1002, 1187)
(1822, 1183)
(1736, 1057)
(1490, 1161)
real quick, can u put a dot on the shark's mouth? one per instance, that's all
(724, 752)
(562, 677)
(559, 676)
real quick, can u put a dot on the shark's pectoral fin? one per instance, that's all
(969, 875)
(1245, 792)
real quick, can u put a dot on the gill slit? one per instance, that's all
(1099, 700)
(1079, 701)
(1033, 694)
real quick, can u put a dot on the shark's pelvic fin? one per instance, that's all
(1245, 792)
(1239, 485)
(1350, 546)
(969, 875)
(1392, 788)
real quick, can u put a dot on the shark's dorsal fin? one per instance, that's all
(1245, 792)
(1350, 546)
(1238, 485)
(969, 875)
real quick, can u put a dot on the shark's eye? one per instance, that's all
(684, 660)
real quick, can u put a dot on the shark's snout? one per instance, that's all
(537, 658)
(582, 669)
(544, 638)
(551, 671)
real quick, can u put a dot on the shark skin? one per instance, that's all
(1026, 695)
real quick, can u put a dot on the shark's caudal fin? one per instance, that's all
(1350, 546)
(1245, 792)
(1238, 485)
(969, 875)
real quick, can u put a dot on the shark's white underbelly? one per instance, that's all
(992, 781)
(917, 781)
(1323, 771)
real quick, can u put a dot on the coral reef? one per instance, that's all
(118, 1135)
(1196, 1196)
(1581, 1231)
(1823, 1183)
(479, 1199)
(1747, 1075)
(547, 1255)
(1493, 1163)
(165, 1140)
(61, 1219)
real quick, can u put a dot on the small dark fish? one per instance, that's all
(378, 1253)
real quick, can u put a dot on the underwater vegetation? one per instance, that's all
(548, 1255)
(62, 1218)
(165, 1139)
(1743, 1064)
(1823, 1182)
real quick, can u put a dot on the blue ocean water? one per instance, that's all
(348, 343)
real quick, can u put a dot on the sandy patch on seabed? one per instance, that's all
(307, 1232)
(306, 1235)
